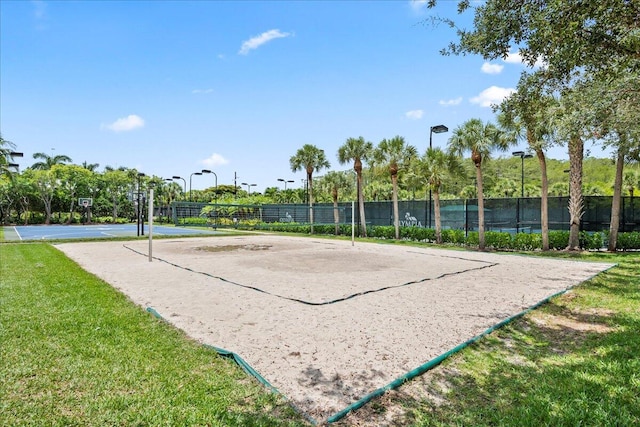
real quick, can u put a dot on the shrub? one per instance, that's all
(527, 241)
(628, 241)
(497, 240)
(452, 236)
(472, 239)
(558, 239)
(591, 241)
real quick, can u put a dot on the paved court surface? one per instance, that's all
(53, 232)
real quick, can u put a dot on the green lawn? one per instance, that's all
(74, 351)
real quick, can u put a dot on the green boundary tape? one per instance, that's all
(398, 381)
(243, 364)
(439, 359)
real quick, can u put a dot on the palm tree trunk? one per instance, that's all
(544, 200)
(436, 208)
(480, 207)
(576, 154)
(363, 223)
(615, 202)
(394, 196)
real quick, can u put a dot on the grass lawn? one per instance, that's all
(74, 351)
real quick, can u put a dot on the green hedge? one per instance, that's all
(496, 240)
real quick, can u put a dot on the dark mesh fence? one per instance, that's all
(511, 215)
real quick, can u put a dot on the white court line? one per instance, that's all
(16, 230)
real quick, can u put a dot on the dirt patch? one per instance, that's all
(231, 248)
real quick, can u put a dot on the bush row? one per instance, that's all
(558, 239)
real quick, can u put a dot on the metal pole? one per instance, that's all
(150, 224)
(430, 146)
(353, 223)
(138, 208)
(522, 177)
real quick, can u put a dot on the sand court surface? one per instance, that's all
(325, 322)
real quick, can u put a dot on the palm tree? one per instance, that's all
(6, 148)
(479, 139)
(357, 150)
(334, 182)
(631, 181)
(435, 167)
(310, 158)
(394, 154)
(526, 113)
(90, 166)
(48, 161)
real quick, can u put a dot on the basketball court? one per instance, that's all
(326, 322)
(54, 232)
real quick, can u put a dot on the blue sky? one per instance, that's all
(171, 88)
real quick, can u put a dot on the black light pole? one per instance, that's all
(139, 211)
(191, 176)
(522, 156)
(432, 130)
(249, 187)
(216, 182)
(183, 180)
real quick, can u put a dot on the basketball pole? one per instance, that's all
(150, 224)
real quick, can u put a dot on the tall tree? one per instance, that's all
(357, 150)
(6, 148)
(394, 155)
(436, 167)
(480, 140)
(47, 162)
(526, 114)
(310, 158)
(577, 41)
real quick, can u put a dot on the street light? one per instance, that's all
(522, 156)
(285, 182)
(191, 176)
(216, 182)
(249, 187)
(432, 130)
(183, 180)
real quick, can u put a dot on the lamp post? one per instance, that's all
(191, 176)
(216, 182)
(183, 180)
(249, 187)
(432, 130)
(285, 182)
(139, 210)
(522, 156)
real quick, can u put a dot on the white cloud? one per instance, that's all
(215, 160)
(489, 68)
(257, 41)
(418, 5)
(450, 102)
(125, 124)
(414, 114)
(516, 58)
(492, 95)
(40, 9)
(196, 91)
